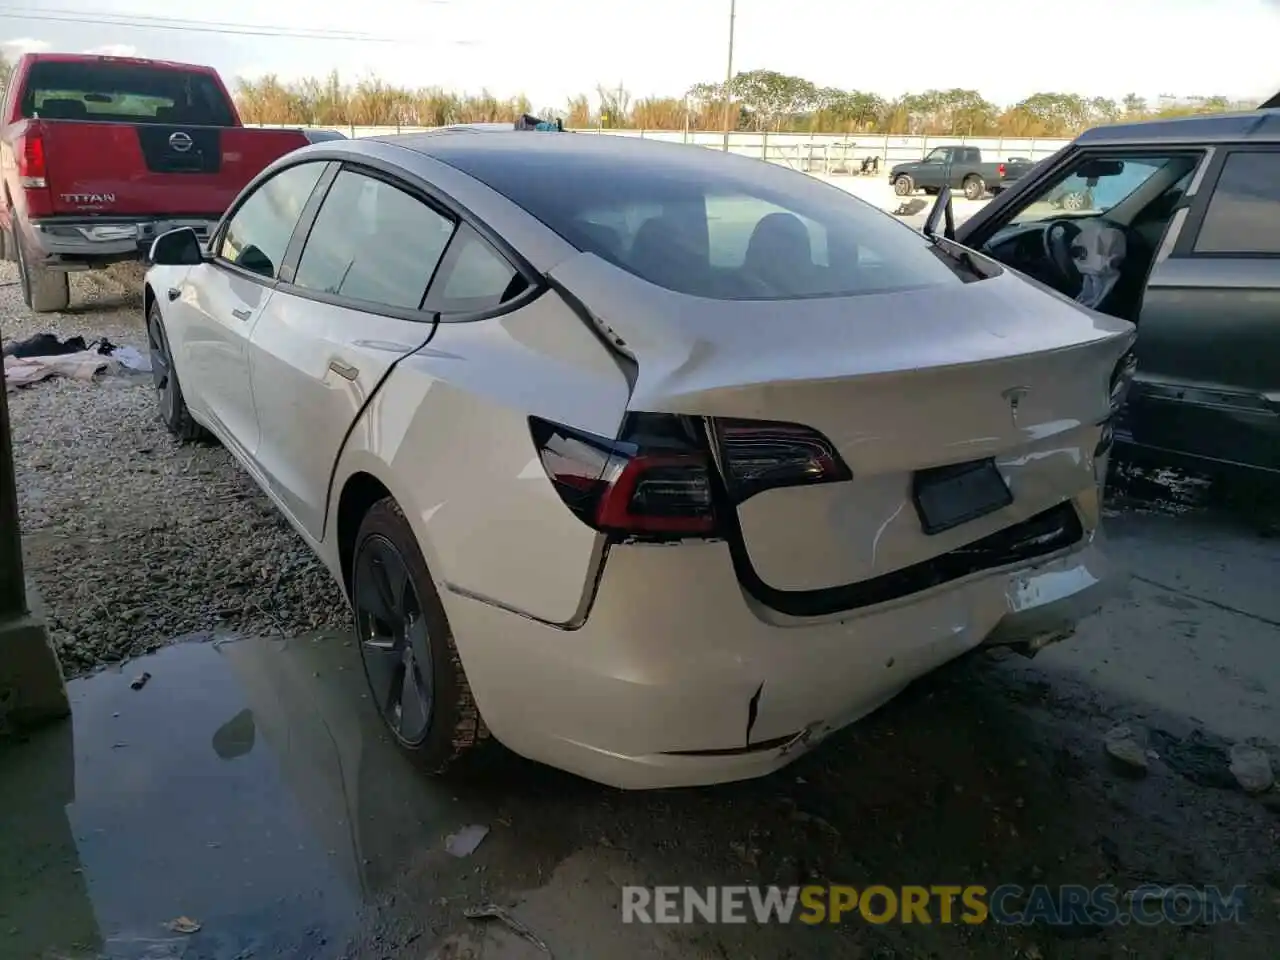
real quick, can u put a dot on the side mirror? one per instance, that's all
(176, 248)
(941, 211)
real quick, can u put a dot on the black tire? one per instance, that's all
(904, 186)
(975, 188)
(427, 707)
(173, 406)
(44, 291)
(930, 191)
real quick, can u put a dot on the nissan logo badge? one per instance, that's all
(179, 142)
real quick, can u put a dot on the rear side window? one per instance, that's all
(474, 277)
(374, 242)
(1243, 216)
(96, 90)
(259, 231)
(708, 226)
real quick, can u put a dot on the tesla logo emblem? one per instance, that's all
(1015, 396)
(179, 142)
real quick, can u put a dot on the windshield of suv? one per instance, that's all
(1077, 196)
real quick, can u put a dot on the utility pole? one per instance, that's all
(728, 77)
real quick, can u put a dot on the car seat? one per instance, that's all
(63, 108)
(779, 253)
(664, 252)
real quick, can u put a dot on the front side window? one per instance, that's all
(1243, 216)
(372, 241)
(709, 227)
(258, 234)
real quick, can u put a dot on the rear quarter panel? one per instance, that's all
(448, 434)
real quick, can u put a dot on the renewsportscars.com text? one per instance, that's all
(1009, 904)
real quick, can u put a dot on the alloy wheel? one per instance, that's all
(161, 369)
(394, 643)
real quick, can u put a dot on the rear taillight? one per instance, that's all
(28, 152)
(654, 481)
(1000, 170)
(759, 455)
(1121, 379)
(658, 481)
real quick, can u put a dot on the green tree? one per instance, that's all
(769, 96)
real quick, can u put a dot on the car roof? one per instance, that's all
(465, 151)
(1255, 126)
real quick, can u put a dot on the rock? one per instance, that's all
(1127, 755)
(1200, 757)
(1252, 768)
(464, 842)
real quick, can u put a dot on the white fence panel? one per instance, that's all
(815, 153)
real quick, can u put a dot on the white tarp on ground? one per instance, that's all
(85, 365)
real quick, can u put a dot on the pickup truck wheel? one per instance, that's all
(974, 188)
(1076, 200)
(173, 406)
(904, 186)
(44, 291)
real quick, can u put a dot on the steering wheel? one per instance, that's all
(1058, 237)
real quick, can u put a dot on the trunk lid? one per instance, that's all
(124, 169)
(898, 382)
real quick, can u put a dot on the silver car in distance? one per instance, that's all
(656, 464)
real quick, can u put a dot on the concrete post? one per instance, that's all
(32, 689)
(13, 597)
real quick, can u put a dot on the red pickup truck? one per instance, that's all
(102, 154)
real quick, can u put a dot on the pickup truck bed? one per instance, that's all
(102, 154)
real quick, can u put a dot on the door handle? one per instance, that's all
(345, 371)
(242, 314)
(174, 293)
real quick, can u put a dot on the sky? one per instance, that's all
(553, 49)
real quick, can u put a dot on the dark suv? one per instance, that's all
(1181, 236)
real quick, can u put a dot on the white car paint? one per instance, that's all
(654, 664)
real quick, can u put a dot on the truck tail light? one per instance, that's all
(28, 152)
(1000, 170)
(658, 480)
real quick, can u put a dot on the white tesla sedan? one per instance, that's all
(656, 463)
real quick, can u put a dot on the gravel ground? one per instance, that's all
(132, 539)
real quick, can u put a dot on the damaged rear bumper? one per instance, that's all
(1046, 603)
(675, 679)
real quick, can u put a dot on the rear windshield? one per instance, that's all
(706, 225)
(125, 92)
